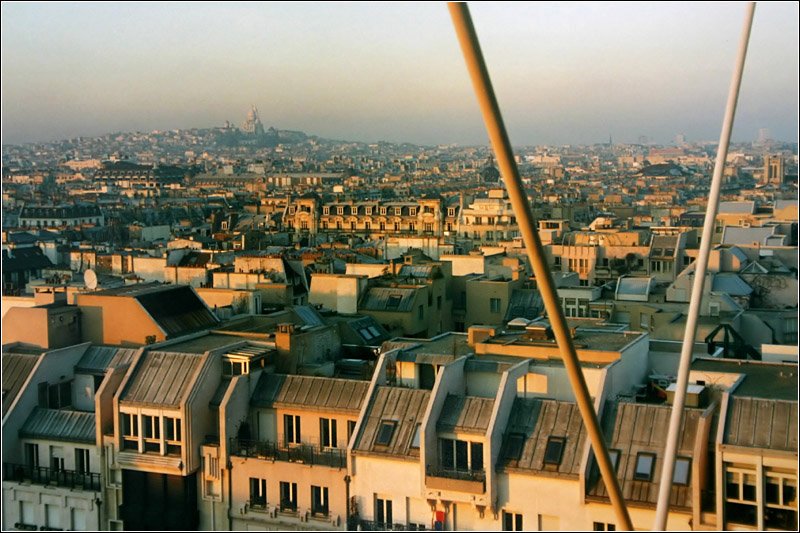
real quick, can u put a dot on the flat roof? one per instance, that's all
(762, 380)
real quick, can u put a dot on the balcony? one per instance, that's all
(47, 476)
(309, 454)
(473, 482)
(369, 525)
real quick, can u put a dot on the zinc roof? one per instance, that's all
(404, 407)
(309, 392)
(99, 358)
(467, 414)
(16, 369)
(59, 424)
(162, 379)
(762, 423)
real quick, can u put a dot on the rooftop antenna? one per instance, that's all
(701, 266)
(470, 47)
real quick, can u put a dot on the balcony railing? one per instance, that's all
(471, 481)
(300, 453)
(369, 525)
(47, 476)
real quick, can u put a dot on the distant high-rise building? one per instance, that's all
(680, 139)
(763, 136)
(252, 124)
(774, 169)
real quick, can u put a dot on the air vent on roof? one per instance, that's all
(539, 332)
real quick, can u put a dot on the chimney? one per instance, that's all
(283, 337)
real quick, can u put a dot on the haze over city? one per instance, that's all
(564, 72)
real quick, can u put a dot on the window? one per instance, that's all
(740, 496)
(27, 514)
(514, 445)
(554, 450)
(415, 438)
(319, 500)
(494, 305)
(682, 468)
(614, 455)
(512, 522)
(421, 312)
(78, 519)
(394, 301)
(398, 211)
(603, 526)
(780, 500)
(151, 427)
(644, 466)
(382, 211)
(354, 210)
(412, 211)
(31, 455)
(258, 492)
(351, 427)
(56, 458)
(52, 516)
(385, 432)
(439, 303)
(383, 512)
(451, 211)
(326, 210)
(82, 460)
(291, 429)
(368, 210)
(234, 368)
(55, 395)
(172, 431)
(461, 455)
(288, 496)
(327, 432)
(340, 210)
(130, 431)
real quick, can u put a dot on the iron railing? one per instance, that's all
(47, 476)
(299, 453)
(463, 475)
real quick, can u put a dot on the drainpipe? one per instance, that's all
(230, 494)
(347, 501)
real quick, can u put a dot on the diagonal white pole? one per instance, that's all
(501, 144)
(701, 266)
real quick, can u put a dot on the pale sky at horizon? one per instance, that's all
(564, 72)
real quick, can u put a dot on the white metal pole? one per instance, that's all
(701, 266)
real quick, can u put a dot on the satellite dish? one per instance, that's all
(90, 279)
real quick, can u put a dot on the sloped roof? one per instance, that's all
(524, 303)
(393, 299)
(637, 428)
(739, 235)
(309, 392)
(16, 369)
(468, 414)
(59, 424)
(99, 358)
(731, 284)
(762, 423)
(162, 379)
(737, 207)
(536, 420)
(25, 259)
(405, 408)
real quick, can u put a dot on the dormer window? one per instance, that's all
(368, 210)
(644, 466)
(340, 210)
(554, 450)
(354, 210)
(382, 210)
(398, 211)
(326, 210)
(385, 432)
(412, 211)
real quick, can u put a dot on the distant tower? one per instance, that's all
(763, 136)
(680, 140)
(774, 169)
(252, 124)
(489, 173)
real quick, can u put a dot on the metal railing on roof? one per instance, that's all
(310, 454)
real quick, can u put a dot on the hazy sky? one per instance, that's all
(564, 72)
